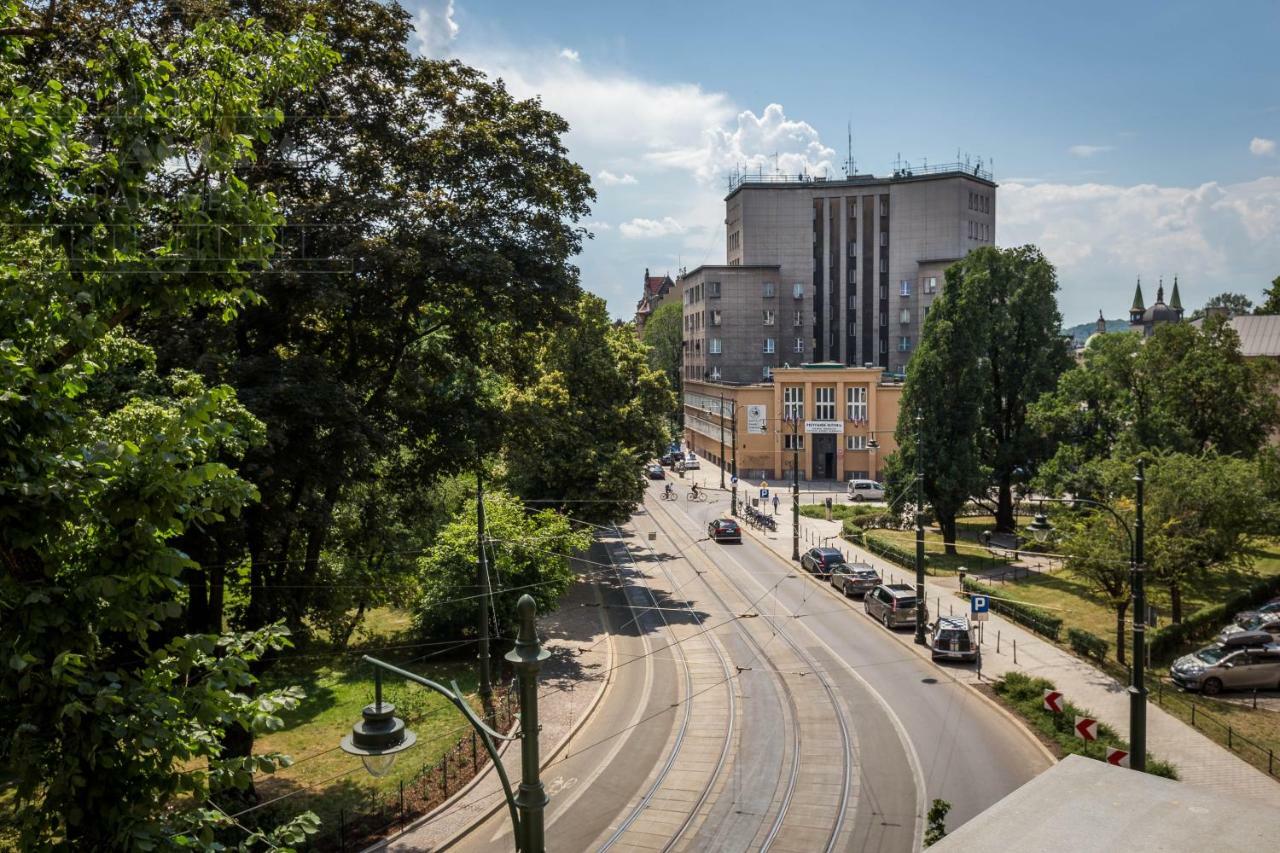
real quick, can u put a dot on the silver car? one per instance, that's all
(1246, 661)
(1268, 622)
(952, 638)
(854, 579)
(894, 604)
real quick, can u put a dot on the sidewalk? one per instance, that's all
(576, 625)
(1200, 761)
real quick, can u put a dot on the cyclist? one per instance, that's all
(668, 493)
(693, 492)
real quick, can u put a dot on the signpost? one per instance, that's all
(764, 493)
(824, 427)
(733, 481)
(1087, 728)
(1118, 757)
(979, 607)
(1053, 701)
(757, 420)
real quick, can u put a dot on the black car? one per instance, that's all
(669, 459)
(655, 472)
(724, 530)
(820, 560)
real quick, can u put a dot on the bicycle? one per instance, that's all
(667, 496)
(696, 496)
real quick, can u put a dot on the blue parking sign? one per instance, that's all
(979, 605)
(764, 493)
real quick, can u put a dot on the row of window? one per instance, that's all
(715, 346)
(980, 202)
(825, 402)
(980, 231)
(735, 241)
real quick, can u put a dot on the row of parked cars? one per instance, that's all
(892, 604)
(1246, 655)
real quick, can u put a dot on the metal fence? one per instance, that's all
(1264, 758)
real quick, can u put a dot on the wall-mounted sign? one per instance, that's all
(757, 419)
(824, 427)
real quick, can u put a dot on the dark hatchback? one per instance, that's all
(724, 530)
(655, 472)
(821, 561)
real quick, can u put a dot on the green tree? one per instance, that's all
(528, 553)
(592, 412)
(1235, 303)
(664, 333)
(111, 203)
(1098, 551)
(1271, 301)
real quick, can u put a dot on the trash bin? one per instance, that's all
(755, 502)
(828, 502)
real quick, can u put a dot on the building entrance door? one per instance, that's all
(824, 457)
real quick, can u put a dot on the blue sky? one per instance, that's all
(1128, 138)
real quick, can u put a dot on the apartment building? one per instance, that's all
(852, 265)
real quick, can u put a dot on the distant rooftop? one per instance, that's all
(902, 173)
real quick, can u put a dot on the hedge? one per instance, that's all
(1087, 644)
(1207, 621)
(1026, 695)
(1024, 614)
(880, 548)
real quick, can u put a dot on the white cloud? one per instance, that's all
(569, 54)
(598, 225)
(639, 228)
(1088, 150)
(1260, 147)
(1215, 236)
(436, 28)
(609, 179)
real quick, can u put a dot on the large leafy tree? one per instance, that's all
(1271, 298)
(1235, 303)
(112, 195)
(664, 333)
(586, 418)
(1098, 552)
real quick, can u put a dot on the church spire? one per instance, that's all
(1160, 291)
(1135, 312)
(1175, 301)
(1102, 324)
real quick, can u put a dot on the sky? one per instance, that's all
(1135, 139)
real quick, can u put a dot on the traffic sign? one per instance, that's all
(1118, 757)
(1087, 728)
(979, 607)
(1053, 701)
(764, 493)
(763, 484)
(733, 480)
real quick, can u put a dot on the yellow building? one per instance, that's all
(829, 416)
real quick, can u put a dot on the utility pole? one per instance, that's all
(920, 600)
(722, 442)
(795, 490)
(1138, 685)
(733, 504)
(527, 658)
(482, 584)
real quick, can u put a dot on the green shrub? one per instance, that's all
(1086, 644)
(1024, 614)
(1026, 695)
(1207, 621)
(851, 531)
(889, 551)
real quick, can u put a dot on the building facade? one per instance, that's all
(835, 421)
(860, 258)
(657, 290)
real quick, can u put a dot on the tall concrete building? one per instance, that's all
(831, 270)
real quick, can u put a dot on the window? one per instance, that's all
(768, 289)
(904, 287)
(797, 319)
(884, 207)
(905, 317)
(853, 274)
(856, 403)
(853, 248)
(824, 403)
(904, 344)
(792, 442)
(715, 373)
(884, 238)
(797, 290)
(855, 442)
(767, 372)
(853, 301)
(715, 316)
(884, 265)
(884, 319)
(770, 318)
(714, 346)
(931, 284)
(884, 291)
(798, 346)
(770, 345)
(793, 402)
(713, 289)
(884, 345)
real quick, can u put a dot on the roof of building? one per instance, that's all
(1259, 333)
(901, 175)
(704, 268)
(1137, 298)
(1159, 312)
(1083, 804)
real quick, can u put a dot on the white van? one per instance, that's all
(865, 490)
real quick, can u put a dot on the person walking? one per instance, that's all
(775, 504)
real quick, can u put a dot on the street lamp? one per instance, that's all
(921, 634)
(794, 420)
(1040, 529)
(380, 736)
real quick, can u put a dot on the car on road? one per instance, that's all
(952, 638)
(1272, 606)
(865, 490)
(690, 462)
(1269, 622)
(656, 472)
(854, 579)
(820, 561)
(724, 530)
(668, 459)
(894, 604)
(1248, 660)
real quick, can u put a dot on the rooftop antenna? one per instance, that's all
(850, 167)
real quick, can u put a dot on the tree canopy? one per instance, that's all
(664, 334)
(1235, 303)
(1271, 298)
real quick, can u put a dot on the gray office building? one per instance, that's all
(831, 270)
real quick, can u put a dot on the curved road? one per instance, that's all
(827, 733)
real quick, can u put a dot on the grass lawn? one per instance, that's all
(969, 554)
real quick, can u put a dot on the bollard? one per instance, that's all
(1193, 715)
(1230, 745)
(997, 641)
(1271, 756)
(1255, 698)
(1015, 650)
(444, 776)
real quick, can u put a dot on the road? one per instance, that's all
(752, 708)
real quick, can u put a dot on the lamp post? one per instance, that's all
(794, 420)
(380, 736)
(921, 638)
(733, 502)
(722, 442)
(1040, 529)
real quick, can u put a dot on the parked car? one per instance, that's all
(854, 579)
(656, 472)
(690, 462)
(865, 490)
(669, 459)
(952, 638)
(1247, 660)
(894, 604)
(820, 561)
(1268, 622)
(724, 530)
(1272, 606)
